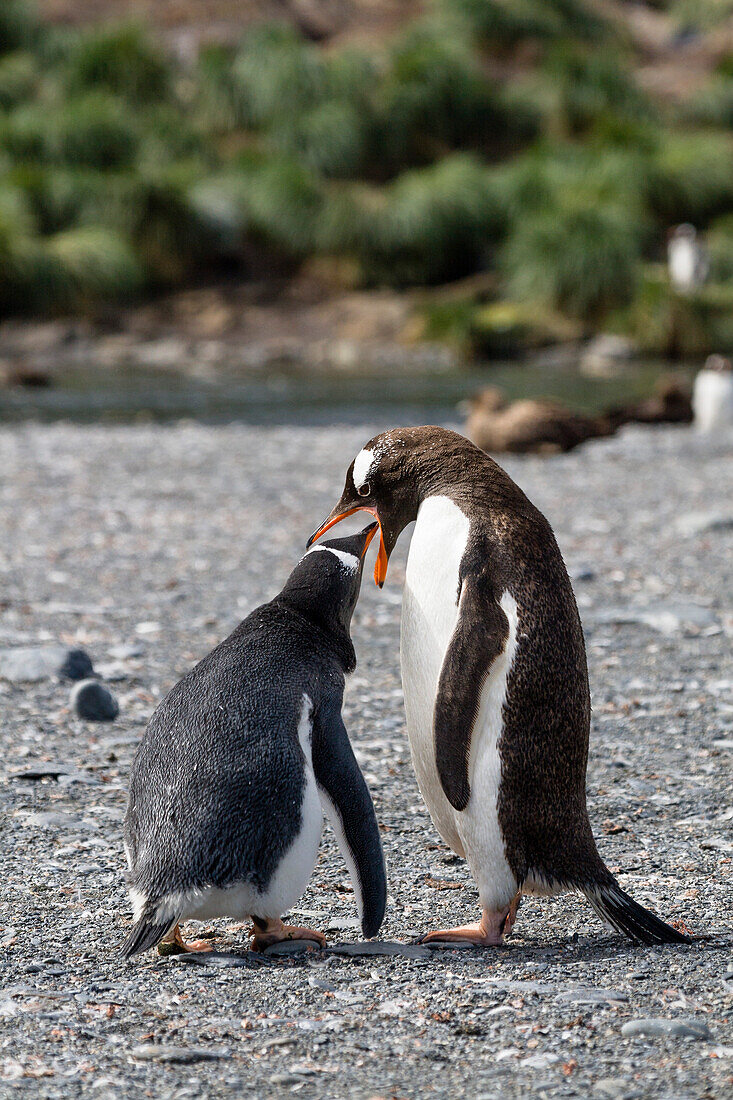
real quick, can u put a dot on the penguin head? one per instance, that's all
(325, 584)
(718, 363)
(390, 477)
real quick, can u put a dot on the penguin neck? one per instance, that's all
(462, 473)
(325, 620)
(443, 467)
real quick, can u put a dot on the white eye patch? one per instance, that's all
(349, 561)
(363, 464)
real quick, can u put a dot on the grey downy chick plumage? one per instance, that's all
(227, 788)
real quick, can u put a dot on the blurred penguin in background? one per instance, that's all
(712, 396)
(687, 259)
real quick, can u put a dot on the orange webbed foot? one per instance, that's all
(268, 932)
(174, 944)
(488, 932)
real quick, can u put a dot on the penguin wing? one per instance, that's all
(479, 638)
(348, 805)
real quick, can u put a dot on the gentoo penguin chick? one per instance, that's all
(224, 817)
(494, 676)
(712, 396)
(533, 424)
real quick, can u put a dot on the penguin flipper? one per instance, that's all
(480, 637)
(348, 805)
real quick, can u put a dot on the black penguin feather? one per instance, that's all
(615, 906)
(145, 933)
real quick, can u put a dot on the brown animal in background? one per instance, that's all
(532, 424)
(669, 404)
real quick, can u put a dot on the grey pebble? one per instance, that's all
(615, 1088)
(343, 924)
(77, 665)
(292, 947)
(94, 702)
(155, 1052)
(318, 983)
(224, 960)
(380, 947)
(126, 652)
(48, 819)
(701, 523)
(113, 672)
(45, 771)
(591, 997)
(655, 1026)
(32, 664)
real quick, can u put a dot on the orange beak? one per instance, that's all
(380, 567)
(369, 538)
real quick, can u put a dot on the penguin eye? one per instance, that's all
(364, 490)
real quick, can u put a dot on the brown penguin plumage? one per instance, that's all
(494, 674)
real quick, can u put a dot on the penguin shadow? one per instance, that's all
(590, 948)
(229, 950)
(598, 947)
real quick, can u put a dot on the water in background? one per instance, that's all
(90, 395)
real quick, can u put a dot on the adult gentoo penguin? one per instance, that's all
(224, 817)
(494, 676)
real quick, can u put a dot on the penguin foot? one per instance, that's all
(511, 916)
(174, 944)
(268, 932)
(488, 932)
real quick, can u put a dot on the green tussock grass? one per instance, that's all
(122, 60)
(506, 137)
(582, 261)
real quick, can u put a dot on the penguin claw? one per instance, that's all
(174, 944)
(276, 932)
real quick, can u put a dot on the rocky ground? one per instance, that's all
(144, 545)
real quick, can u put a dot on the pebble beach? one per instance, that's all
(144, 545)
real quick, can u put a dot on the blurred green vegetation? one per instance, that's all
(501, 136)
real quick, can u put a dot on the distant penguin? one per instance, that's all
(687, 259)
(226, 794)
(494, 676)
(712, 396)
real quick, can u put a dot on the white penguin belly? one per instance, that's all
(712, 401)
(429, 617)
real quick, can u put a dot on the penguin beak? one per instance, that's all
(371, 532)
(380, 567)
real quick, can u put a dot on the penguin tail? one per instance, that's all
(147, 931)
(616, 908)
